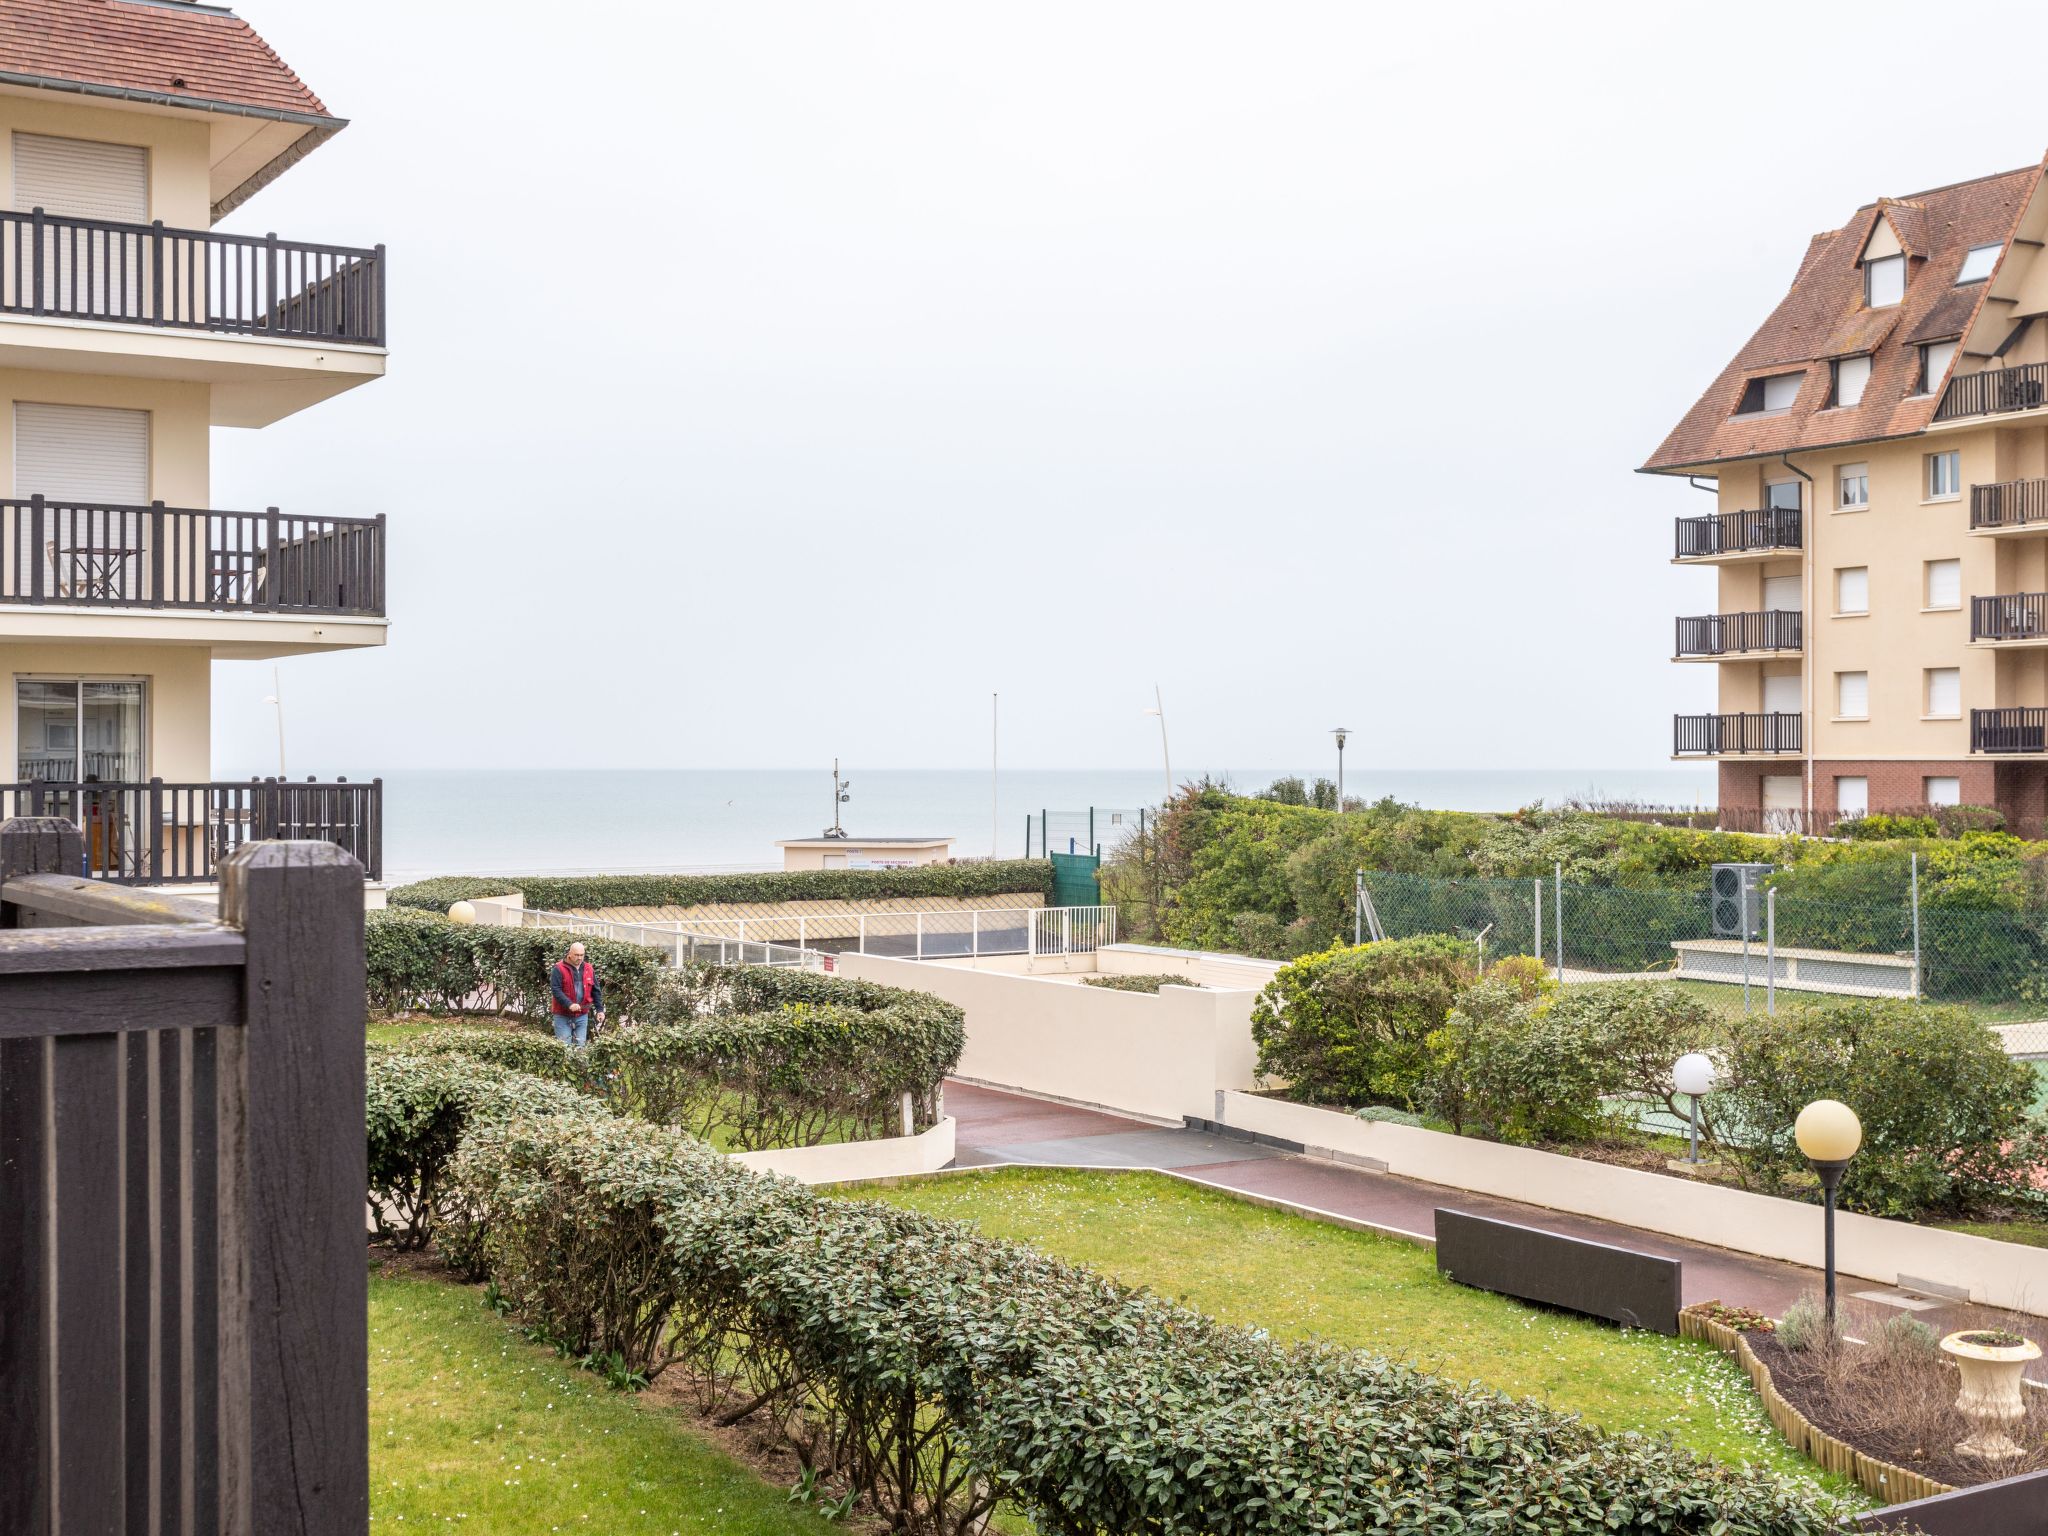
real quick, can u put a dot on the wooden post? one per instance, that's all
(303, 1315)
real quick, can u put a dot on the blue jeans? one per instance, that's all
(577, 1024)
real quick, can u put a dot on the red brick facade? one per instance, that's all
(2020, 790)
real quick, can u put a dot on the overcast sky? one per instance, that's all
(770, 381)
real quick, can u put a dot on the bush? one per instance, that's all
(585, 893)
(1138, 983)
(1638, 1030)
(1515, 1070)
(1349, 1026)
(937, 1371)
(419, 961)
(1948, 1118)
(1804, 1325)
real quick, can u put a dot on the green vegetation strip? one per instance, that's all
(471, 1428)
(1297, 1278)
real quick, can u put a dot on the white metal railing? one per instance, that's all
(1072, 930)
(684, 946)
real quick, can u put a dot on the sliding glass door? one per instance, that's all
(72, 734)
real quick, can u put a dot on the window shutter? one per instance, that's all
(1945, 691)
(1852, 795)
(1852, 377)
(1943, 791)
(1944, 583)
(81, 453)
(1852, 589)
(1852, 695)
(80, 179)
(1934, 360)
(1781, 391)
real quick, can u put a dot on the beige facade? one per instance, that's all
(129, 329)
(1879, 539)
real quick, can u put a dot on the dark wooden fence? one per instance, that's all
(110, 556)
(1734, 533)
(1726, 634)
(1716, 735)
(151, 832)
(2009, 504)
(1993, 391)
(183, 1309)
(190, 279)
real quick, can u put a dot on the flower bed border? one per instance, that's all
(1880, 1479)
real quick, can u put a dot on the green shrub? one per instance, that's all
(418, 961)
(1350, 1025)
(1148, 982)
(1948, 1118)
(585, 893)
(939, 1371)
(1380, 1114)
(1638, 1030)
(1514, 1070)
(1804, 1326)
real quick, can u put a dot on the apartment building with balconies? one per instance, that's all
(1875, 524)
(130, 326)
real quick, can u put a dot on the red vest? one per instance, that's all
(576, 985)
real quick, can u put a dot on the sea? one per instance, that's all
(536, 821)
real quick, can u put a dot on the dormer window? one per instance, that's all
(1977, 263)
(1884, 281)
(1775, 393)
(1851, 378)
(1935, 357)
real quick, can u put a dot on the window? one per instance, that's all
(1775, 393)
(1852, 589)
(1944, 583)
(1944, 474)
(1934, 360)
(1942, 791)
(1852, 695)
(1782, 495)
(1852, 376)
(1945, 692)
(1852, 795)
(1852, 485)
(1884, 281)
(1977, 263)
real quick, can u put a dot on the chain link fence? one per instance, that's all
(1790, 948)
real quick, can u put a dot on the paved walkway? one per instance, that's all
(997, 1128)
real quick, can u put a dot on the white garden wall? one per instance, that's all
(1155, 1056)
(847, 1161)
(1894, 1252)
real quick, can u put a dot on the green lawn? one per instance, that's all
(1245, 1264)
(1726, 997)
(472, 1428)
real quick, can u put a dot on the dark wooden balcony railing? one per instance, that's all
(2009, 504)
(2010, 616)
(176, 557)
(189, 279)
(1733, 533)
(157, 833)
(1724, 735)
(2009, 730)
(1993, 391)
(1731, 634)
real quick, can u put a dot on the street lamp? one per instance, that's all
(1829, 1133)
(1340, 733)
(1693, 1075)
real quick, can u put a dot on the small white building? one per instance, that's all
(863, 852)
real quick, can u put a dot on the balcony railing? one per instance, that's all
(1731, 634)
(179, 558)
(1727, 735)
(2009, 504)
(1734, 533)
(189, 279)
(2009, 730)
(156, 833)
(2010, 616)
(1994, 390)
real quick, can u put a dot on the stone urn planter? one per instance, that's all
(1992, 1362)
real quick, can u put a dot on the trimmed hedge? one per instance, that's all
(937, 1371)
(419, 961)
(582, 893)
(1145, 982)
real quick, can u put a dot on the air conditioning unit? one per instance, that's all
(1738, 900)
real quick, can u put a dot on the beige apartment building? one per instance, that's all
(130, 326)
(1877, 537)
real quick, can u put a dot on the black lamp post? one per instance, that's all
(1829, 1133)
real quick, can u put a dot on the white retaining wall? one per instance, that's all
(847, 1161)
(1231, 972)
(1157, 1056)
(1893, 1252)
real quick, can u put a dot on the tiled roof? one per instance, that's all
(161, 47)
(1823, 316)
